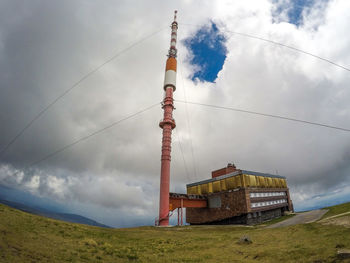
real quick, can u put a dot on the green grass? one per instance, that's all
(337, 209)
(30, 238)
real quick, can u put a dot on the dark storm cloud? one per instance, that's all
(34, 69)
(45, 51)
(46, 48)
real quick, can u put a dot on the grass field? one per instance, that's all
(30, 238)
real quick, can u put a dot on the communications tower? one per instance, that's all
(167, 124)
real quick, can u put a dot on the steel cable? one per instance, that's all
(19, 134)
(85, 138)
(266, 115)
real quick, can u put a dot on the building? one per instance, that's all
(234, 196)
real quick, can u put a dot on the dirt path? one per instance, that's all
(331, 217)
(301, 218)
(342, 219)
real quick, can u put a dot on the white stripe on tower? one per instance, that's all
(170, 70)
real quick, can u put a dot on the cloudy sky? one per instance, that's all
(113, 177)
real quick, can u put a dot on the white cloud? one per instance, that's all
(33, 184)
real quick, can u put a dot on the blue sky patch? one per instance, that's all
(209, 52)
(295, 9)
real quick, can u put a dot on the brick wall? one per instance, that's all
(223, 171)
(233, 203)
(236, 203)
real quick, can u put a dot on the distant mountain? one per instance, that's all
(28, 199)
(72, 218)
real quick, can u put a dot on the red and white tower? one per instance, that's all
(167, 124)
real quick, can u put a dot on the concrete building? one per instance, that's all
(234, 196)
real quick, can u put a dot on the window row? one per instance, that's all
(274, 202)
(267, 194)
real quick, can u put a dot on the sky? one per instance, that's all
(113, 177)
(208, 51)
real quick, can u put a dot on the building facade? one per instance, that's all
(237, 196)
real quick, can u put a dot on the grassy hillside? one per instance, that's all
(30, 238)
(337, 210)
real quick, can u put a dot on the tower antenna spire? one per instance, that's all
(167, 124)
